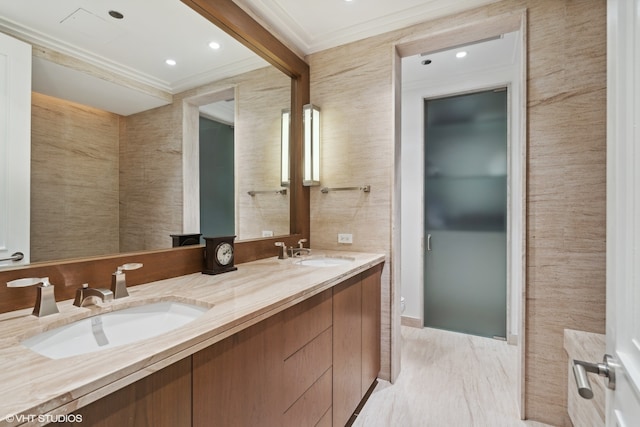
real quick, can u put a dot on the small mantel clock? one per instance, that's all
(219, 255)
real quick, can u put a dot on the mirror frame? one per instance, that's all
(68, 275)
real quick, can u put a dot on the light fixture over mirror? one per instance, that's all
(285, 176)
(311, 120)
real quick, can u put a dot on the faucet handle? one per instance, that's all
(301, 243)
(118, 281)
(129, 266)
(28, 281)
(45, 299)
(282, 253)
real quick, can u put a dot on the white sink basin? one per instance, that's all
(324, 261)
(113, 329)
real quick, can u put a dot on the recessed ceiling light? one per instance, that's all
(461, 54)
(214, 45)
(115, 14)
(170, 62)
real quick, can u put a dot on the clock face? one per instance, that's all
(224, 253)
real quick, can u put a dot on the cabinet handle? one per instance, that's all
(428, 242)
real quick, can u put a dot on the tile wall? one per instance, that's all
(74, 180)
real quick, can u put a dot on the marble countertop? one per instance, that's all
(33, 385)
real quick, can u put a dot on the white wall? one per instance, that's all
(412, 182)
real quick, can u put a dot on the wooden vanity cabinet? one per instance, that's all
(307, 378)
(356, 335)
(347, 349)
(162, 399)
(236, 382)
(309, 365)
(371, 307)
(274, 373)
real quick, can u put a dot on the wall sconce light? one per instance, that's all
(285, 179)
(311, 119)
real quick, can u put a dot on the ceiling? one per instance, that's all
(487, 55)
(311, 26)
(135, 48)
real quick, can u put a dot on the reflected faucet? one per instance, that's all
(118, 280)
(85, 292)
(295, 252)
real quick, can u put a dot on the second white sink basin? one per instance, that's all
(113, 329)
(324, 261)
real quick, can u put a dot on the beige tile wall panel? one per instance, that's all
(74, 180)
(354, 92)
(261, 97)
(354, 86)
(150, 178)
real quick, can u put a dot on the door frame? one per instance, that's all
(440, 40)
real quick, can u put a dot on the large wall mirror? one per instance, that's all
(117, 132)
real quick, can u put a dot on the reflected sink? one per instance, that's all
(113, 329)
(325, 261)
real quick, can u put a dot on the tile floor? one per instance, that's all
(448, 380)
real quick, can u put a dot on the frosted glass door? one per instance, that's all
(466, 213)
(217, 194)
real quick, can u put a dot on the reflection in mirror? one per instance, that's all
(257, 135)
(124, 177)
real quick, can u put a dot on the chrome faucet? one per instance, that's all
(295, 252)
(45, 299)
(118, 280)
(85, 292)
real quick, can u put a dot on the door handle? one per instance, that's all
(16, 256)
(428, 242)
(605, 369)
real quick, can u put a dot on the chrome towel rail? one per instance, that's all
(16, 256)
(282, 191)
(364, 189)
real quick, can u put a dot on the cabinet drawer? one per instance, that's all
(305, 321)
(305, 366)
(326, 419)
(313, 406)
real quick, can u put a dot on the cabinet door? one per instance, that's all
(347, 349)
(238, 381)
(370, 326)
(162, 399)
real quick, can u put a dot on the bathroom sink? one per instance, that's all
(324, 261)
(113, 329)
